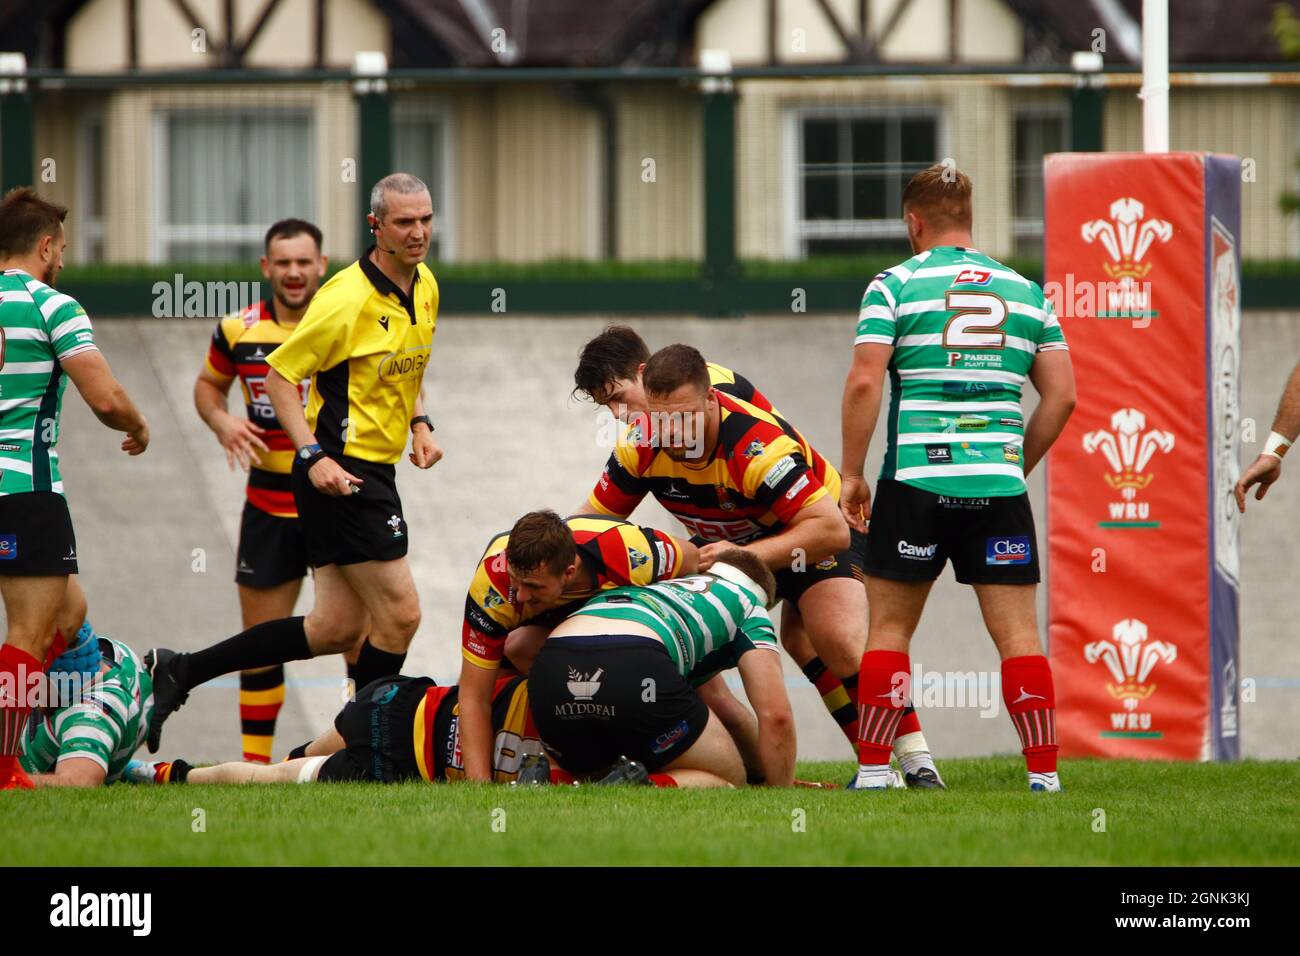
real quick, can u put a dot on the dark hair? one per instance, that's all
(541, 538)
(672, 367)
(26, 219)
(288, 228)
(752, 566)
(942, 193)
(614, 354)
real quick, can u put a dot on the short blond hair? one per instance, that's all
(941, 194)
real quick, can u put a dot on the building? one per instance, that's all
(138, 134)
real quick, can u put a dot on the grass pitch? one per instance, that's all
(1112, 813)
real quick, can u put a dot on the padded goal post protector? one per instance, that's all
(1143, 265)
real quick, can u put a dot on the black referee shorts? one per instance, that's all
(350, 529)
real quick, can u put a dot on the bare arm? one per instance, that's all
(690, 557)
(107, 398)
(287, 402)
(1053, 376)
(1267, 468)
(760, 671)
(327, 475)
(735, 716)
(238, 437)
(475, 702)
(815, 533)
(863, 390)
(73, 772)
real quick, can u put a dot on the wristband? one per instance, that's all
(421, 418)
(1276, 445)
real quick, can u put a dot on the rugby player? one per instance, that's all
(396, 729)
(957, 333)
(86, 736)
(271, 558)
(614, 683)
(1267, 468)
(45, 339)
(752, 480)
(365, 343)
(527, 581)
(609, 373)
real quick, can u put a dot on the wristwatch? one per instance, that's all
(310, 454)
(421, 418)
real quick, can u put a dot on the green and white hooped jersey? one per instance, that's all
(965, 331)
(107, 723)
(39, 328)
(705, 621)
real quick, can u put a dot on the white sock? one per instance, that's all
(1049, 781)
(875, 775)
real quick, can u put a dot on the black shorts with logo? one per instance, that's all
(913, 532)
(849, 563)
(271, 549)
(588, 695)
(349, 529)
(36, 536)
(791, 583)
(378, 730)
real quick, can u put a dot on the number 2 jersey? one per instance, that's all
(965, 331)
(617, 552)
(239, 349)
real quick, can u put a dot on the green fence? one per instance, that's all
(592, 191)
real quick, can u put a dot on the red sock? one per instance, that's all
(884, 684)
(57, 647)
(663, 780)
(1030, 697)
(15, 667)
(910, 723)
(560, 775)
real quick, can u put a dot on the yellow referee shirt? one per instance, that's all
(364, 344)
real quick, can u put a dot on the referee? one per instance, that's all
(364, 344)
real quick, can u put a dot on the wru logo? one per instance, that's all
(1128, 449)
(1127, 238)
(1130, 658)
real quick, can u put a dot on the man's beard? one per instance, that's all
(282, 300)
(51, 273)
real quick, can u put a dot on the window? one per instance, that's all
(226, 177)
(89, 225)
(420, 148)
(1037, 133)
(852, 169)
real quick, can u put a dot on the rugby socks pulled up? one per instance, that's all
(261, 695)
(262, 645)
(880, 706)
(1030, 696)
(372, 664)
(15, 667)
(836, 695)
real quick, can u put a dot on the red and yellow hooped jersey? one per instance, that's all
(437, 731)
(737, 386)
(239, 349)
(617, 552)
(760, 475)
